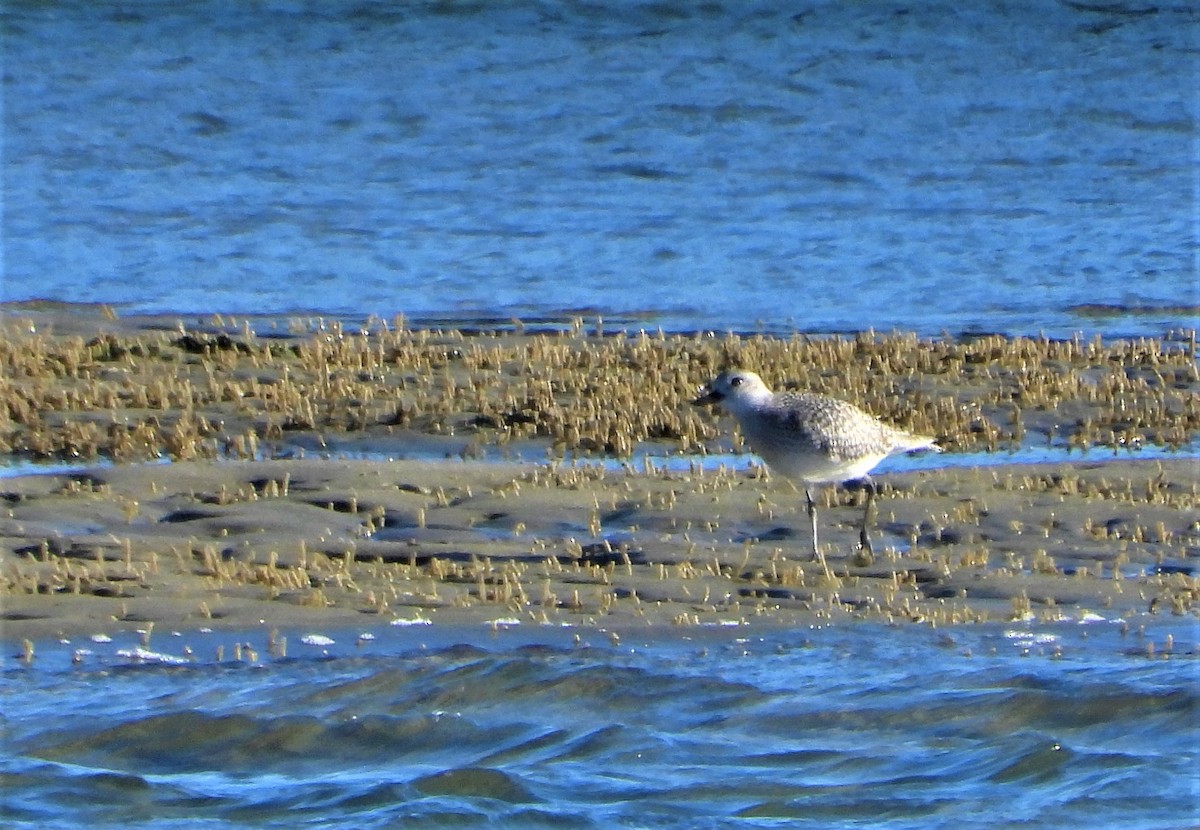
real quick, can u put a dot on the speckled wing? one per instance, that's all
(829, 426)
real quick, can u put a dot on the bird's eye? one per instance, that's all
(735, 382)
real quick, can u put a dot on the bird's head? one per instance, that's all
(733, 387)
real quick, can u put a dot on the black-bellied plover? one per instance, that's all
(810, 438)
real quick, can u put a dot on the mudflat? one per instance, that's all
(280, 543)
(203, 489)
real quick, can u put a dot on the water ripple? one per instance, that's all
(823, 727)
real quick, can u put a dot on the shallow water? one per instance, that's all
(1014, 168)
(1069, 725)
(433, 448)
(982, 167)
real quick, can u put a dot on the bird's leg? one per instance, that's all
(865, 554)
(812, 520)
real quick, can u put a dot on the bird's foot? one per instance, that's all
(863, 557)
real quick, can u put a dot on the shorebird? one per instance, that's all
(809, 438)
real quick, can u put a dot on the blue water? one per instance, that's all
(1017, 167)
(1053, 726)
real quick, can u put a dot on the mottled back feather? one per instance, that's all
(807, 436)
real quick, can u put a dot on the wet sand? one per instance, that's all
(212, 540)
(280, 544)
